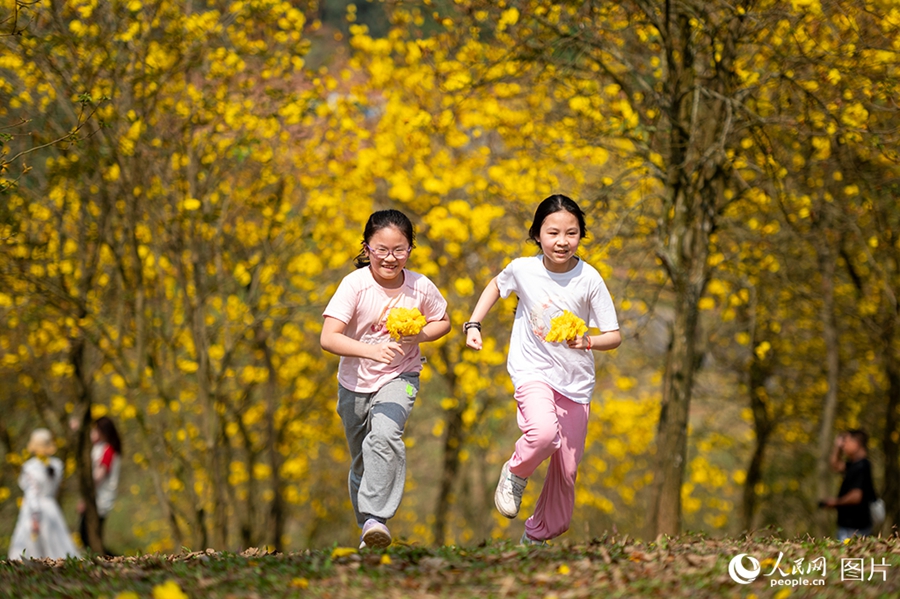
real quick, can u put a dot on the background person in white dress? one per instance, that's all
(41, 530)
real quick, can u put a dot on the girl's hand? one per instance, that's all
(35, 527)
(410, 341)
(583, 342)
(385, 352)
(473, 339)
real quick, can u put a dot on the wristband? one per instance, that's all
(472, 324)
(589, 344)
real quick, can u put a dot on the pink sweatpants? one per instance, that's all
(553, 426)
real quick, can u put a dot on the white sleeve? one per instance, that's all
(506, 281)
(30, 484)
(603, 311)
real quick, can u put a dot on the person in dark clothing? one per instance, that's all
(857, 491)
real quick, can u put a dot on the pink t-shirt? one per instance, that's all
(363, 305)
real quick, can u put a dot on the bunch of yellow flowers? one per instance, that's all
(566, 327)
(403, 322)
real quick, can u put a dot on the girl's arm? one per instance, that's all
(837, 464)
(104, 464)
(29, 483)
(100, 473)
(335, 341)
(432, 331)
(488, 298)
(602, 342)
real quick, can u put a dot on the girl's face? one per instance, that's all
(388, 250)
(95, 435)
(559, 239)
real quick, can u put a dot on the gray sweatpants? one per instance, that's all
(374, 423)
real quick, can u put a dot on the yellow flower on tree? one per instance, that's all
(566, 327)
(404, 322)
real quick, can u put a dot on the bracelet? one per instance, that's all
(472, 324)
(589, 344)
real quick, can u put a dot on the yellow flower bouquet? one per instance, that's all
(404, 322)
(566, 327)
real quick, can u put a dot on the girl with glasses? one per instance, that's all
(378, 376)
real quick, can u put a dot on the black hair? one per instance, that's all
(108, 433)
(861, 436)
(383, 219)
(555, 203)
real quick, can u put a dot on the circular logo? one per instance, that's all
(739, 573)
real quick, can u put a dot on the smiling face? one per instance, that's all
(388, 271)
(559, 238)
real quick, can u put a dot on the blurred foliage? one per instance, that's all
(691, 566)
(196, 182)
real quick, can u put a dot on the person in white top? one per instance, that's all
(554, 380)
(41, 530)
(106, 461)
(378, 376)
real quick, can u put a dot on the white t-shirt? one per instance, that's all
(542, 295)
(363, 305)
(102, 454)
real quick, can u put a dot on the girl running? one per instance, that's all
(554, 380)
(378, 375)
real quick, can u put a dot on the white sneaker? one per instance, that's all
(375, 535)
(528, 541)
(508, 496)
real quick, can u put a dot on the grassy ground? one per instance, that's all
(688, 566)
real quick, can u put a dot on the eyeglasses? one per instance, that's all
(382, 253)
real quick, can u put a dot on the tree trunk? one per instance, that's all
(824, 485)
(671, 440)
(217, 481)
(192, 271)
(687, 219)
(754, 476)
(84, 464)
(169, 513)
(763, 425)
(453, 439)
(891, 437)
(759, 369)
(276, 508)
